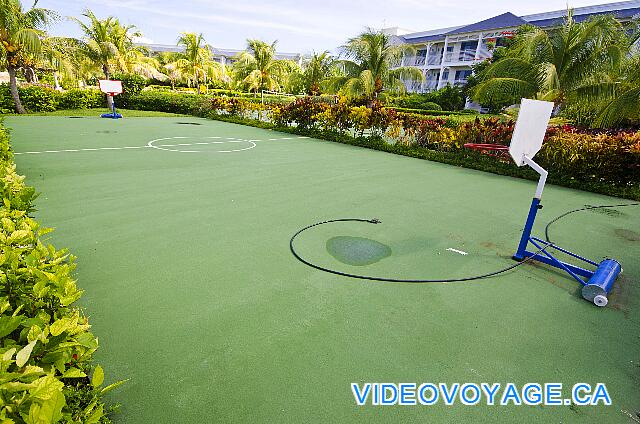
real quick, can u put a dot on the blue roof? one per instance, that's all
(506, 20)
(509, 20)
(619, 14)
(425, 39)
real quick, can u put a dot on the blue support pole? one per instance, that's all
(528, 226)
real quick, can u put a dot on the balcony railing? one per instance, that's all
(435, 60)
(460, 82)
(461, 56)
(430, 85)
(467, 55)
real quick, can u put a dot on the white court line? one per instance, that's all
(451, 249)
(228, 140)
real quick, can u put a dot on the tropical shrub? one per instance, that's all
(418, 101)
(170, 102)
(77, 98)
(132, 84)
(613, 158)
(35, 98)
(46, 375)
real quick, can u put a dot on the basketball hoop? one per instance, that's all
(111, 88)
(527, 139)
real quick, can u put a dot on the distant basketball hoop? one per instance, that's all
(111, 88)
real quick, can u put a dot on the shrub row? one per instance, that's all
(36, 98)
(46, 374)
(435, 112)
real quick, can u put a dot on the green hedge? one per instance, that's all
(434, 112)
(36, 98)
(46, 375)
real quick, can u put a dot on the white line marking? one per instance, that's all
(229, 140)
(159, 147)
(457, 251)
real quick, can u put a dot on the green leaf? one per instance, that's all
(73, 373)
(8, 324)
(98, 377)
(23, 356)
(95, 415)
(64, 324)
(8, 354)
(87, 340)
(45, 387)
(113, 386)
(49, 411)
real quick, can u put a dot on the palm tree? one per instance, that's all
(20, 36)
(168, 63)
(366, 71)
(621, 102)
(196, 63)
(106, 43)
(258, 69)
(319, 67)
(561, 65)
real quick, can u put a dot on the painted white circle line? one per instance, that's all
(229, 140)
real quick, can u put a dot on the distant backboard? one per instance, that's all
(111, 87)
(530, 129)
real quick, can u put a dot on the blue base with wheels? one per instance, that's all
(598, 283)
(113, 114)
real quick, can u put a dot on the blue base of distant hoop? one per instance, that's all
(113, 114)
(598, 283)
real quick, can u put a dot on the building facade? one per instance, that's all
(445, 55)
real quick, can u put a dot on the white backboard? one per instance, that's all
(530, 129)
(110, 86)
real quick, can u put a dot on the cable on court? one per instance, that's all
(430, 280)
(586, 208)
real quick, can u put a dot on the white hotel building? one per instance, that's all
(445, 55)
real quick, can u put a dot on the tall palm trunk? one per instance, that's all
(56, 81)
(13, 84)
(105, 69)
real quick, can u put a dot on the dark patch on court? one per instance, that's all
(620, 295)
(188, 123)
(106, 132)
(358, 251)
(627, 234)
(605, 211)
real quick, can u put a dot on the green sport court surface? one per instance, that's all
(197, 300)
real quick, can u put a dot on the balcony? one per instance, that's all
(430, 85)
(461, 56)
(436, 59)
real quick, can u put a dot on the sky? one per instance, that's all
(300, 26)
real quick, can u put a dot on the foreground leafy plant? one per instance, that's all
(46, 346)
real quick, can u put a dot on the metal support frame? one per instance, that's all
(113, 114)
(546, 257)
